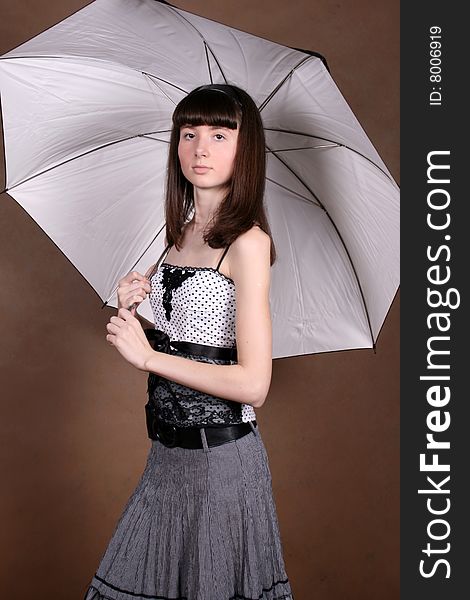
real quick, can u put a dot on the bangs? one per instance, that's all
(207, 107)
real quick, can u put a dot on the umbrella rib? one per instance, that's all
(183, 18)
(77, 57)
(206, 45)
(146, 135)
(340, 237)
(356, 276)
(146, 249)
(216, 60)
(4, 153)
(152, 133)
(152, 77)
(58, 248)
(284, 187)
(208, 63)
(305, 148)
(318, 137)
(150, 137)
(273, 152)
(282, 82)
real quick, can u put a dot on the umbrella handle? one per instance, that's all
(133, 307)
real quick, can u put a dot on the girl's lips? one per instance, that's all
(201, 169)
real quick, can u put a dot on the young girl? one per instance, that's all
(202, 523)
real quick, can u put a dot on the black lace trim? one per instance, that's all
(100, 596)
(165, 264)
(183, 406)
(172, 279)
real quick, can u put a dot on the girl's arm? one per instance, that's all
(248, 381)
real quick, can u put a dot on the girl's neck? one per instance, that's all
(205, 206)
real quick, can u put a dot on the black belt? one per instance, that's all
(186, 437)
(190, 437)
(159, 340)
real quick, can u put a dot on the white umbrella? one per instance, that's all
(86, 110)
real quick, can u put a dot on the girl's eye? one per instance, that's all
(186, 134)
(219, 135)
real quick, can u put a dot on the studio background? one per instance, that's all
(73, 436)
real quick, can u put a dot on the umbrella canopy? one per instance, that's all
(87, 108)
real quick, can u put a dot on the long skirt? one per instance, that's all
(200, 525)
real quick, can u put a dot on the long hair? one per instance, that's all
(243, 205)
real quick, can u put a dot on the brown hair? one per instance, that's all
(243, 205)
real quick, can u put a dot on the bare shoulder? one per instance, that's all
(250, 253)
(255, 239)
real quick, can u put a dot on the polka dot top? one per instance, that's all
(195, 304)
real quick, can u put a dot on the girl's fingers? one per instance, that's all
(124, 313)
(132, 301)
(116, 323)
(112, 328)
(145, 287)
(136, 294)
(133, 276)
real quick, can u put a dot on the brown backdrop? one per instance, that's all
(73, 435)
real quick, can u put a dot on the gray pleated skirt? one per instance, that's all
(200, 525)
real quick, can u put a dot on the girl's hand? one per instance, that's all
(133, 288)
(127, 335)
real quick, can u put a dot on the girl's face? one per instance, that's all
(206, 155)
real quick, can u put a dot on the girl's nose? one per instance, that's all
(201, 150)
(202, 146)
